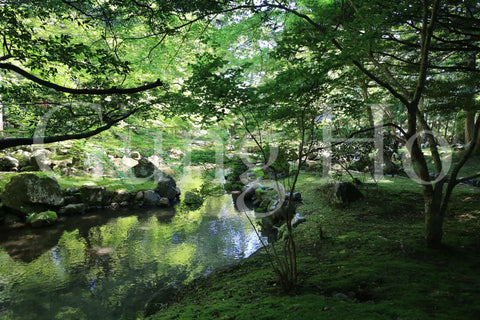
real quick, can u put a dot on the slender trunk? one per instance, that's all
(477, 145)
(1, 118)
(371, 121)
(420, 128)
(433, 215)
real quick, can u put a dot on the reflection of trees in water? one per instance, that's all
(111, 269)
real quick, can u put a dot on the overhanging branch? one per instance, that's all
(51, 85)
(15, 142)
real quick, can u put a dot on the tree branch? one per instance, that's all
(14, 142)
(51, 85)
(468, 178)
(453, 178)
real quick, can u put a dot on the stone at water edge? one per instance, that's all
(27, 193)
(74, 208)
(95, 196)
(166, 186)
(150, 197)
(42, 219)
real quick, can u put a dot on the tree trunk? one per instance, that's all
(469, 125)
(433, 216)
(477, 145)
(371, 121)
(1, 118)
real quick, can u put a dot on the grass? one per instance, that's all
(366, 261)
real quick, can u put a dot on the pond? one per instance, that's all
(107, 264)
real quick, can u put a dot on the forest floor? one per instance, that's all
(366, 261)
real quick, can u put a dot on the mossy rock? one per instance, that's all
(28, 193)
(341, 194)
(42, 219)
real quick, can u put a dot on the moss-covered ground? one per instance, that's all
(366, 261)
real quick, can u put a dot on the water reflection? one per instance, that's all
(109, 267)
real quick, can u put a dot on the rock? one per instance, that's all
(39, 160)
(60, 165)
(164, 202)
(23, 158)
(150, 197)
(144, 169)
(139, 196)
(296, 196)
(114, 206)
(193, 199)
(8, 163)
(156, 160)
(42, 219)
(135, 155)
(95, 196)
(74, 208)
(122, 196)
(70, 191)
(176, 154)
(297, 220)
(27, 193)
(343, 193)
(166, 187)
(62, 151)
(72, 196)
(249, 192)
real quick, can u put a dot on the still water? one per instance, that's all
(106, 265)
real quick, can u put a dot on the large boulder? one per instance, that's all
(144, 169)
(27, 193)
(8, 163)
(166, 186)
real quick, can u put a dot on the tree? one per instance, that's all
(93, 61)
(404, 48)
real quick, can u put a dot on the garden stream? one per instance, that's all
(108, 264)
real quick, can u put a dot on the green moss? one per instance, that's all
(366, 261)
(42, 219)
